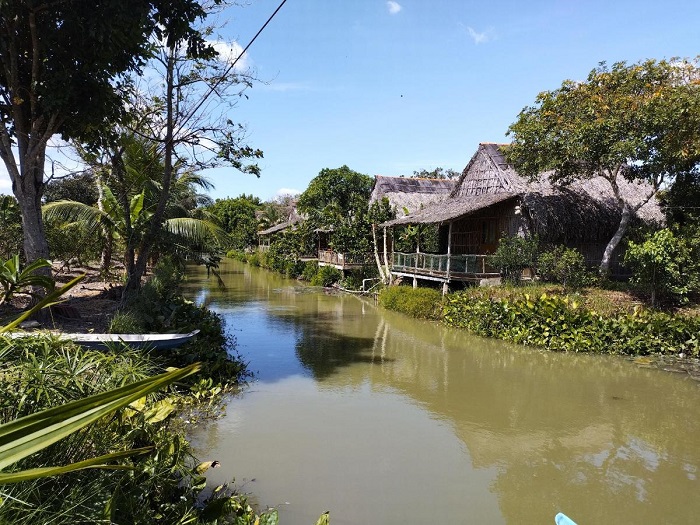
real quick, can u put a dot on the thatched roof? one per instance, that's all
(585, 209)
(450, 209)
(410, 194)
(293, 219)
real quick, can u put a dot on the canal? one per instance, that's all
(383, 419)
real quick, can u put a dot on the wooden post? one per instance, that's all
(376, 254)
(449, 252)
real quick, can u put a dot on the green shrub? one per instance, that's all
(561, 324)
(294, 269)
(663, 265)
(513, 255)
(125, 322)
(423, 303)
(163, 485)
(565, 266)
(239, 255)
(254, 259)
(72, 241)
(326, 276)
(310, 270)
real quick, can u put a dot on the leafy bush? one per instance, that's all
(663, 264)
(11, 237)
(160, 307)
(162, 485)
(513, 255)
(326, 276)
(423, 303)
(561, 324)
(71, 240)
(565, 266)
(310, 270)
(125, 322)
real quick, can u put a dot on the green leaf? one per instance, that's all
(27, 435)
(98, 462)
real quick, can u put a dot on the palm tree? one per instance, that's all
(128, 194)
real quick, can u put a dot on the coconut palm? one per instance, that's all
(129, 190)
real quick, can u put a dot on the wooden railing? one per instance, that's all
(446, 265)
(342, 260)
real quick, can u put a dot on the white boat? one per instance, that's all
(103, 341)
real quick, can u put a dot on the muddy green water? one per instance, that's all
(382, 419)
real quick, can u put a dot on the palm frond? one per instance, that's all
(72, 211)
(197, 230)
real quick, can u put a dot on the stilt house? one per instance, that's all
(491, 200)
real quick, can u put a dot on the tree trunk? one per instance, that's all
(387, 268)
(108, 246)
(133, 282)
(376, 254)
(615, 241)
(28, 191)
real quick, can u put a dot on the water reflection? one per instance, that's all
(593, 436)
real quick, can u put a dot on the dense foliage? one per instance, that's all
(423, 303)
(565, 266)
(663, 265)
(337, 200)
(559, 323)
(238, 218)
(10, 227)
(163, 485)
(513, 255)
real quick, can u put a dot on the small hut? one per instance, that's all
(491, 200)
(266, 236)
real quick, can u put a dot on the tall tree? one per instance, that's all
(238, 218)
(333, 195)
(640, 122)
(62, 67)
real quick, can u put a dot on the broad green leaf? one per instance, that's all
(102, 462)
(22, 437)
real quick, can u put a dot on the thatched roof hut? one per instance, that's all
(410, 194)
(293, 219)
(584, 211)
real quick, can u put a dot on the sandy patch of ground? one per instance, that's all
(89, 306)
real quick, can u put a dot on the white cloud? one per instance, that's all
(286, 191)
(480, 38)
(230, 51)
(394, 7)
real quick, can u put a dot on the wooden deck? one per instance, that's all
(443, 268)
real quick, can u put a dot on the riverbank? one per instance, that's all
(163, 483)
(548, 318)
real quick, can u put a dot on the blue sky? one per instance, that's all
(392, 87)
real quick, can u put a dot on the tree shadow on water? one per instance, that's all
(323, 353)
